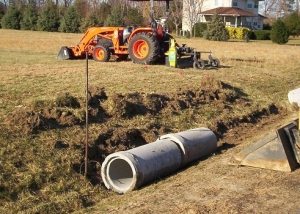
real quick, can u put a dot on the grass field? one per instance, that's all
(37, 177)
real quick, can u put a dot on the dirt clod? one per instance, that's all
(96, 95)
(114, 140)
(25, 121)
(126, 106)
(60, 145)
(67, 100)
(156, 102)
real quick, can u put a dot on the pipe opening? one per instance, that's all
(120, 174)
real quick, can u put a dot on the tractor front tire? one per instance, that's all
(101, 53)
(144, 49)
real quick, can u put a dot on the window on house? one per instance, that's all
(254, 23)
(256, 5)
(249, 5)
(234, 3)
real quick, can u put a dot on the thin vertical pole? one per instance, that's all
(86, 115)
(152, 9)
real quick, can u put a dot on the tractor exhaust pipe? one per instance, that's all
(65, 53)
(128, 170)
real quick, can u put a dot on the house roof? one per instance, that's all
(262, 16)
(228, 11)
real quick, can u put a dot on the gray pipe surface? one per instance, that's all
(127, 170)
(194, 143)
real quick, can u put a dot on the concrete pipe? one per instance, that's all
(194, 143)
(127, 170)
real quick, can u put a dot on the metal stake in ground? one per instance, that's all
(86, 115)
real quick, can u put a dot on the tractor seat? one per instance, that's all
(126, 33)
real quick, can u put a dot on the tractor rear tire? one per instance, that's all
(144, 49)
(101, 53)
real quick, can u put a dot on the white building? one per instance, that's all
(234, 13)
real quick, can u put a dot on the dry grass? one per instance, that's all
(35, 177)
(29, 69)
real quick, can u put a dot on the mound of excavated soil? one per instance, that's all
(67, 100)
(114, 140)
(96, 96)
(133, 104)
(67, 110)
(26, 121)
(126, 106)
(61, 116)
(220, 127)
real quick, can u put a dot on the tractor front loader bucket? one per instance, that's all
(65, 53)
(279, 151)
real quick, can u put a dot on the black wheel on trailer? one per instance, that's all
(101, 53)
(144, 49)
(216, 63)
(199, 64)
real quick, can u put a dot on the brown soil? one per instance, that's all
(126, 106)
(26, 121)
(129, 105)
(114, 140)
(220, 127)
(96, 96)
(67, 100)
(66, 112)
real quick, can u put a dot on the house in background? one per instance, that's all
(236, 13)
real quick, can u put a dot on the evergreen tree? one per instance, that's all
(82, 7)
(134, 17)
(2, 11)
(12, 18)
(279, 33)
(30, 17)
(216, 30)
(292, 22)
(71, 21)
(115, 18)
(97, 17)
(91, 21)
(103, 12)
(49, 18)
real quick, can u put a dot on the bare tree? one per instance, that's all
(192, 10)
(268, 6)
(176, 14)
(5, 3)
(279, 8)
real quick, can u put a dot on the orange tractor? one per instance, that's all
(144, 45)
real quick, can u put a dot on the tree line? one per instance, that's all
(77, 15)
